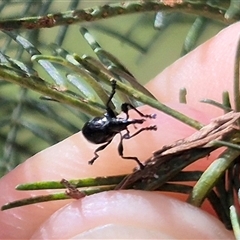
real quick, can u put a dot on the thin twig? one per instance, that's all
(200, 8)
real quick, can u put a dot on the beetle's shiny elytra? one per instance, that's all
(103, 129)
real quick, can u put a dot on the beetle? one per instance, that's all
(103, 129)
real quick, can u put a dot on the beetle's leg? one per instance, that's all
(97, 150)
(128, 136)
(150, 128)
(114, 83)
(127, 106)
(120, 152)
(110, 112)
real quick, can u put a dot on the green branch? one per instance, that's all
(200, 8)
(42, 87)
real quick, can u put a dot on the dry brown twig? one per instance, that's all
(171, 159)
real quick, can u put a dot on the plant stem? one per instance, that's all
(39, 85)
(201, 8)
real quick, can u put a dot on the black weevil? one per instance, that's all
(103, 129)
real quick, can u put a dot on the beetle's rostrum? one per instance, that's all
(103, 129)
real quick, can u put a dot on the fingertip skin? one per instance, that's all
(129, 214)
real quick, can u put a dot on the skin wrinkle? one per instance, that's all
(121, 231)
